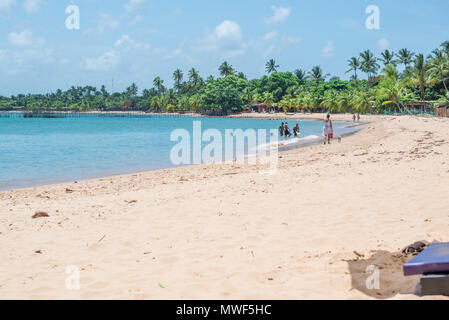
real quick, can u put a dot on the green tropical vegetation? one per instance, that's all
(393, 82)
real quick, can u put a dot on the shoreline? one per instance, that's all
(224, 231)
(282, 148)
(255, 115)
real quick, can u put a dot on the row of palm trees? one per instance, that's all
(367, 63)
(389, 86)
(423, 78)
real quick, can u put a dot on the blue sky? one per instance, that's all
(137, 40)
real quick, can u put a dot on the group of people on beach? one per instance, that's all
(328, 130)
(284, 130)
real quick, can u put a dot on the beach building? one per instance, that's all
(421, 106)
(262, 108)
(442, 111)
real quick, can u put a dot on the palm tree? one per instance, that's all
(330, 100)
(170, 96)
(194, 77)
(354, 65)
(361, 100)
(445, 46)
(439, 66)
(271, 66)
(268, 99)
(394, 92)
(194, 103)
(420, 74)
(388, 57)
(369, 63)
(177, 76)
(155, 103)
(241, 75)
(159, 84)
(131, 91)
(257, 98)
(390, 71)
(443, 101)
(316, 74)
(226, 69)
(247, 96)
(300, 75)
(405, 57)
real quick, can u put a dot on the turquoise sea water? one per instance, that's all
(38, 151)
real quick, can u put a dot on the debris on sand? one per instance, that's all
(414, 248)
(40, 214)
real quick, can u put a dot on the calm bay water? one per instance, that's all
(37, 151)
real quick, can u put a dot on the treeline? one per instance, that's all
(424, 78)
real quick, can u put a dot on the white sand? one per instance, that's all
(226, 232)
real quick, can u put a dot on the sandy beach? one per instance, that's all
(223, 231)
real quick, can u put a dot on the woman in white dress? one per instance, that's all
(327, 129)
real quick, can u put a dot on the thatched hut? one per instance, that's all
(259, 107)
(423, 106)
(214, 113)
(442, 111)
(262, 107)
(127, 105)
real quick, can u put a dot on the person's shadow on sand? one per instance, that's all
(381, 276)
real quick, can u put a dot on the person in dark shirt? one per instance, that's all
(281, 129)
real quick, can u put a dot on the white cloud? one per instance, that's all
(119, 55)
(175, 53)
(134, 5)
(290, 39)
(280, 14)
(22, 60)
(107, 22)
(138, 18)
(272, 43)
(270, 35)
(31, 5)
(25, 38)
(177, 12)
(328, 50)
(5, 5)
(383, 44)
(123, 40)
(226, 40)
(269, 51)
(105, 62)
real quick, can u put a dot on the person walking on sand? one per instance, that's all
(281, 130)
(327, 129)
(358, 117)
(353, 117)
